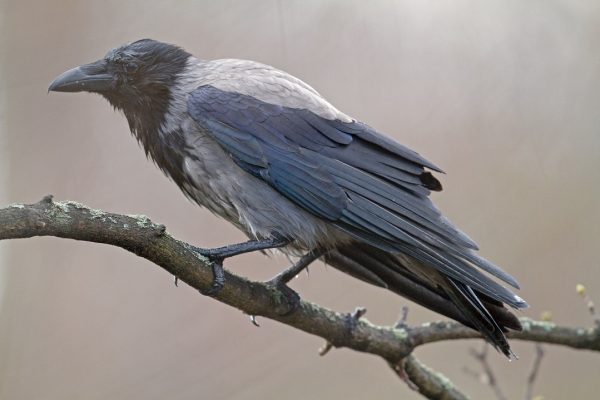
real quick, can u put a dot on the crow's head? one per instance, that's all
(135, 77)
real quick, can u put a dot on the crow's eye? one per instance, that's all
(130, 67)
(125, 64)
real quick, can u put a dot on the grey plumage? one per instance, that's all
(265, 151)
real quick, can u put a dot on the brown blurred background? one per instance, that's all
(504, 95)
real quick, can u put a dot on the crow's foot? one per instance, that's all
(292, 298)
(216, 264)
(219, 254)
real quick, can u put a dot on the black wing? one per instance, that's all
(347, 173)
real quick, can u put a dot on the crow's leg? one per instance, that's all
(280, 280)
(241, 248)
(219, 254)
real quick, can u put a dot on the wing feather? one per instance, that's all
(365, 183)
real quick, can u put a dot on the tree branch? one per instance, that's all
(431, 384)
(139, 235)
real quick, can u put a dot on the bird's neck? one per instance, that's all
(158, 129)
(153, 119)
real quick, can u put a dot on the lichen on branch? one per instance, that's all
(139, 235)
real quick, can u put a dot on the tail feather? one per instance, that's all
(426, 286)
(356, 269)
(406, 285)
(478, 315)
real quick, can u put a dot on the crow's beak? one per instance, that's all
(92, 77)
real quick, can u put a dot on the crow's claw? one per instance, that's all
(218, 277)
(292, 298)
(253, 320)
(216, 264)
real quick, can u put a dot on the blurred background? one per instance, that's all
(504, 95)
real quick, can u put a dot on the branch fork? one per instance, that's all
(394, 344)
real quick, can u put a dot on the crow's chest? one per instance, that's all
(209, 175)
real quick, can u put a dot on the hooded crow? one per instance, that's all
(263, 150)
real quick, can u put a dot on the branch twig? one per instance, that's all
(535, 369)
(488, 372)
(590, 304)
(141, 236)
